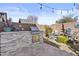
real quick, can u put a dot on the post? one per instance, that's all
(62, 27)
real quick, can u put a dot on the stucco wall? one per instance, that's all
(66, 25)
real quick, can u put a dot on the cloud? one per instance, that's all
(48, 19)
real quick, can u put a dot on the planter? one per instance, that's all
(7, 29)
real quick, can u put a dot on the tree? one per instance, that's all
(47, 30)
(67, 19)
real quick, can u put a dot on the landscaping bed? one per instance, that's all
(50, 43)
(62, 39)
(75, 48)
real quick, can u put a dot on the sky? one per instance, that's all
(45, 15)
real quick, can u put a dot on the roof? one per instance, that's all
(25, 26)
(21, 26)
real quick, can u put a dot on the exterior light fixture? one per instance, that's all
(40, 6)
(52, 10)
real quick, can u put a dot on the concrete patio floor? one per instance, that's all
(41, 50)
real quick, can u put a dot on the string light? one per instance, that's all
(53, 9)
(77, 6)
(74, 4)
(61, 11)
(40, 6)
(67, 11)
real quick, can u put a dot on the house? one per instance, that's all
(29, 20)
(66, 25)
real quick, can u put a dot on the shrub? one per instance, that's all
(62, 39)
